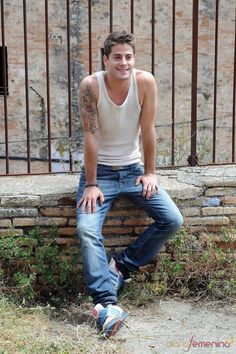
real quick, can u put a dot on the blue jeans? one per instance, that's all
(116, 182)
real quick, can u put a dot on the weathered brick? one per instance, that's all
(124, 212)
(190, 211)
(220, 191)
(112, 222)
(219, 211)
(18, 212)
(17, 232)
(67, 231)
(72, 222)
(117, 230)
(44, 221)
(66, 241)
(228, 200)
(20, 201)
(5, 223)
(233, 219)
(24, 222)
(138, 221)
(210, 220)
(59, 211)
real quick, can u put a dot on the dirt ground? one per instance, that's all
(166, 327)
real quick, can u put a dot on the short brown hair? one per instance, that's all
(118, 38)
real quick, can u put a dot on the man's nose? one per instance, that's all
(123, 60)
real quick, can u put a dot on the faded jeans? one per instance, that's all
(115, 182)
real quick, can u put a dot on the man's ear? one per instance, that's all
(105, 59)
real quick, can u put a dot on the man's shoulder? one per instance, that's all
(90, 80)
(144, 76)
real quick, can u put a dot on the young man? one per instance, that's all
(117, 108)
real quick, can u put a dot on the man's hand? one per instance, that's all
(89, 199)
(150, 184)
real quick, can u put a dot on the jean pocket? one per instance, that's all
(137, 170)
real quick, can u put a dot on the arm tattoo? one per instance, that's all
(87, 109)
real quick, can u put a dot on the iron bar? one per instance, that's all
(234, 94)
(173, 85)
(132, 16)
(215, 83)
(26, 86)
(153, 37)
(193, 158)
(48, 88)
(111, 15)
(69, 84)
(90, 35)
(5, 87)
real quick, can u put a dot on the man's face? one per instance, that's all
(120, 62)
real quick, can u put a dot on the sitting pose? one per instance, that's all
(117, 108)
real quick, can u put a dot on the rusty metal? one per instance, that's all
(111, 15)
(153, 37)
(48, 88)
(26, 86)
(193, 158)
(4, 87)
(172, 123)
(90, 35)
(215, 82)
(69, 83)
(173, 86)
(234, 97)
(132, 16)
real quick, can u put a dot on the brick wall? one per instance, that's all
(206, 197)
(80, 68)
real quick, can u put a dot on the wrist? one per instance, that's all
(87, 185)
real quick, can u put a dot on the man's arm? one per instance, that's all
(88, 115)
(148, 135)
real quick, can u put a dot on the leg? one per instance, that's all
(89, 228)
(167, 220)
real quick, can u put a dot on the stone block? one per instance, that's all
(117, 230)
(219, 211)
(59, 211)
(5, 232)
(137, 221)
(67, 231)
(44, 221)
(18, 212)
(220, 191)
(5, 223)
(72, 222)
(190, 211)
(208, 220)
(27, 201)
(24, 222)
(228, 200)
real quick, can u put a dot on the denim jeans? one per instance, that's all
(116, 182)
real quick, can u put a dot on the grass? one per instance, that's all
(193, 267)
(36, 331)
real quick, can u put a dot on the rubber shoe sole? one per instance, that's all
(114, 325)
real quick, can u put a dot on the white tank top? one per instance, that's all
(119, 126)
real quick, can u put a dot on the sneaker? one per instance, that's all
(109, 319)
(116, 276)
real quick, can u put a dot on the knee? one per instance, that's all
(176, 221)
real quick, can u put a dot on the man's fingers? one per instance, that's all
(101, 197)
(138, 179)
(88, 207)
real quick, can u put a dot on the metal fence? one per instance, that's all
(68, 161)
